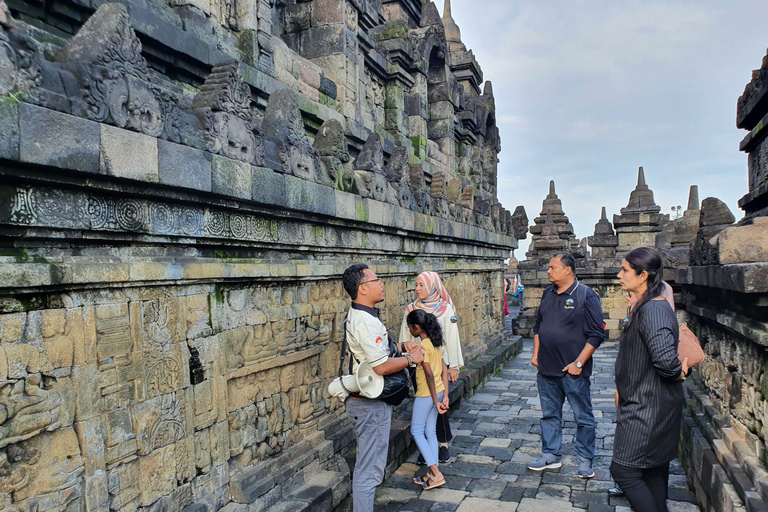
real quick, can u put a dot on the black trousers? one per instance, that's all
(443, 429)
(646, 488)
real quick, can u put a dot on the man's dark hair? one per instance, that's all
(352, 278)
(567, 260)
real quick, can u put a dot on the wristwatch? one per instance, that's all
(578, 364)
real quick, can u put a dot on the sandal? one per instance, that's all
(430, 483)
(421, 480)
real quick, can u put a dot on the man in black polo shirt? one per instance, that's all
(568, 330)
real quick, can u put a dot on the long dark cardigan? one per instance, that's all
(650, 399)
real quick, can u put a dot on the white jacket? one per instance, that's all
(451, 344)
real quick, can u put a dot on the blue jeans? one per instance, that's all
(424, 427)
(552, 392)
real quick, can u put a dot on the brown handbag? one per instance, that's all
(689, 347)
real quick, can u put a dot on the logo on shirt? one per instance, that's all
(569, 304)
(379, 340)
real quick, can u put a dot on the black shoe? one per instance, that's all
(420, 461)
(615, 492)
(443, 455)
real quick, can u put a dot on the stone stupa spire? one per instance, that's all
(686, 227)
(640, 221)
(693, 198)
(604, 241)
(452, 32)
(641, 199)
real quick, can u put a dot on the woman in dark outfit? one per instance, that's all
(649, 379)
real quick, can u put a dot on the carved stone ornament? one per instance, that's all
(106, 56)
(21, 60)
(287, 146)
(331, 144)
(224, 104)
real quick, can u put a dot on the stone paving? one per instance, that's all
(496, 433)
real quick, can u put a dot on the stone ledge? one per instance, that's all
(734, 322)
(18, 276)
(742, 277)
(237, 184)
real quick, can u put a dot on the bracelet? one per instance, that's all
(409, 358)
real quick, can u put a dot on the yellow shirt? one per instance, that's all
(434, 357)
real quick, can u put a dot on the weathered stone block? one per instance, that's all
(328, 87)
(309, 196)
(128, 154)
(268, 186)
(9, 129)
(327, 12)
(744, 244)
(297, 17)
(309, 76)
(96, 491)
(58, 140)
(231, 177)
(183, 166)
(88, 399)
(320, 41)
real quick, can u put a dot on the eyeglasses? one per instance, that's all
(371, 281)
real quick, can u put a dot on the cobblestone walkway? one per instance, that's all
(496, 433)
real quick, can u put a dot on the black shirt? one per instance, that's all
(564, 328)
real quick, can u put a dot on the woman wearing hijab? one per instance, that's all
(432, 297)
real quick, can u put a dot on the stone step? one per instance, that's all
(266, 481)
(321, 492)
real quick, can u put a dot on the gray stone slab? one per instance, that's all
(231, 177)
(9, 129)
(309, 196)
(488, 489)
(470, 469)
(183, 166)
(127, 154)
(58, 140)
(268, 186)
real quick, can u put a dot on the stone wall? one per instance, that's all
(725, 292)
(181, 186)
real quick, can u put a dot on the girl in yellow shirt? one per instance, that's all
(431, 396)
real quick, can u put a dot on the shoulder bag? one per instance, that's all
(689, 346)
(396, 387)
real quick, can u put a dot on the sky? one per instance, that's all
(587, 91)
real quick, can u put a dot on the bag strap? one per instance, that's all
(344, 349)
(581, 295)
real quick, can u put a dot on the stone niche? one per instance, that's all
(182, 184)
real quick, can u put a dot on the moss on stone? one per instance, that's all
(361, 211)
(327, 100)
(419, 146)
(393, 30)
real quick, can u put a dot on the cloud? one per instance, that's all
(588, 91)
